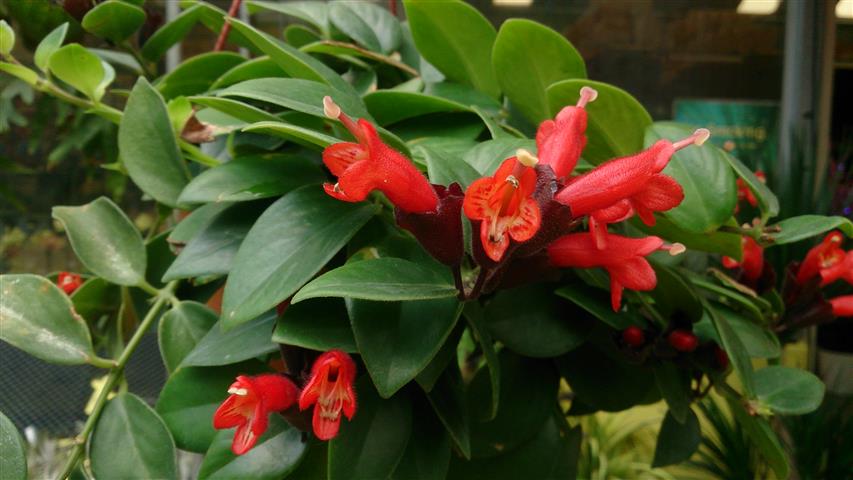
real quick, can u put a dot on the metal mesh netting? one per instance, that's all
(52, 398)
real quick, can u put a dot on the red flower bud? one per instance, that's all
(824, 255)
(331, 389)
(68, 282)
(683, 341)
(753, 259)
(561, 141)
(842, 306)
(633, 337)
(504, 205)
(371, 165)
(745, 193)
(248, 407)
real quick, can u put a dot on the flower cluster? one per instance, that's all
(829, 262)
(252, 399)
(529, 207)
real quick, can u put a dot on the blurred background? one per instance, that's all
(772, 79)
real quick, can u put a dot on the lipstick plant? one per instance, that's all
(393, 249)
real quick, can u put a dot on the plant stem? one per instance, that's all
(226, 26)
(147, 72)
(115, 374)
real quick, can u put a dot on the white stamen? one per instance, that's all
(677, 249)
(588, 94)
(238, 391)
(526, 158)
(330, 108)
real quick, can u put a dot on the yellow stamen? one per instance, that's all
(526, 158)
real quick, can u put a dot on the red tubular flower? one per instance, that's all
(561, 141)
(504, 204)
(753, 259)
(248, 407)
(331, 388)
(68, 282)
(371, 165)
(842, 306)
(824, 255)
(745, 193)
(617, 189)
(842, 269)
(623, 258)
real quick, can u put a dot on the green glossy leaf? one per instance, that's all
(799, 228)
(295, 63)
(180, 330)
(251, 178)
(710, 194)
(131, 441)
(448, 401)
(195, 222)
(758, 341)
(788, 391)
(712, 242)
(287, 246)
(674, 386)
(533, 322)
(300, 36)
(522, 412)
(457, 39)
(674, 296)
(80, 68)
(277, 453)
(105, 240)
(300, 135)
(527, 58)
(427, 454)
(296, 94)
(762, 436)
(114, 20)
(314, 13)
(7, 38)
(390, 106)
(239, 110)
(398, 339)
(735, 349)
(636, 383)
(191, 396)
(256, 68)
(96, 298)
(463, 94)
(371, 25)
(597, 303)
(767, 200)
(170, 34)
(148, 148)
(439, 363)
(480, 331)
(379, 279)
(677, 440)
(48, 45)
(211, 250)
(197, 74)
(616, 120)
(13, 462)
(372, 444)
(444, 169)
(244, 342)
(320, 324)
(548, 455)
(487, 156)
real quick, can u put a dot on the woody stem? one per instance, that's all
(481, 281)
(114, 376)
(226, 27)
(457, 279)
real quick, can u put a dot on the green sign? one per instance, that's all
(747, 129)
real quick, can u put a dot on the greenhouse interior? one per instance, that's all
(426, 239)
